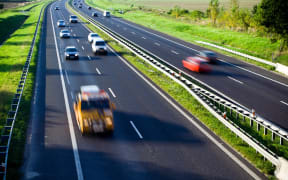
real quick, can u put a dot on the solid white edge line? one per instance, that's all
(98, 71)
(218, 144)
(233, 79)
(202, 130)
(112, 92)
(69, 117)
(283, 102)
(137, 131)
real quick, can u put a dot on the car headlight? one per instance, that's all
(67, 54)
(76, 54)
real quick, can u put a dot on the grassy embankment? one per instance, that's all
(13, 54)
(247, 43)
(12, 19)
(178, 93)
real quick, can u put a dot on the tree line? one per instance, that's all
(269, 18)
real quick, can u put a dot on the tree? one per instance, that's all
(273, 14)
(213, 10)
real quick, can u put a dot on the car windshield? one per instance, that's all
(61, 21)
(94, 35)
(95, 104)
(107, 13)
(100, 43)
(73, 17)
(210, 54)
(65, 31)
(71, 50)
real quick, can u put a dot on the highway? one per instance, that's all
(153, 139)
(251, 86)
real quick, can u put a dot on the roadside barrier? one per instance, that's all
(7, 130)
(223, 109)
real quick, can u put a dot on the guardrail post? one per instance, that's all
(251, 122)
(265, 130)
(258, 126)
(273, 136)
(281, 140)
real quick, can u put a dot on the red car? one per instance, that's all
(196, 64)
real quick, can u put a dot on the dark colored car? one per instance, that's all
(89, 8)
(210, 56)
(71, 53)
(57, 8)
(94, 14)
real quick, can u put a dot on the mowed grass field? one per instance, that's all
(13, 54)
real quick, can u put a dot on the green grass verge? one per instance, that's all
(13, 56)
(243, 42)
(178, 93)
(12, 19)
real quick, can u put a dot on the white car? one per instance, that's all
(99, 46)
(61, 23)
(106, 14)
(92, 36)
(73, 19)
(65, 33)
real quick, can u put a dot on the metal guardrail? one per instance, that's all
(221, 108)
(7, 131)
(239, 53)
(206, 91)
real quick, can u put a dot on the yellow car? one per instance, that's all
(94, 110)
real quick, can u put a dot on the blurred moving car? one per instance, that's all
(57, 8)
(65, 33)
(73, 19)
(94, 110)
(61, 23)
(89, 7)
(71, 53)
(99, 46)
(210, 56)
(92, 36)
(106, 14)
(94, 14)
(196, 64)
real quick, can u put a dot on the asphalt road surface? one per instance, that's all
(153, 139)
(247, 84)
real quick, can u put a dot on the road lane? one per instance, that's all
(171, 147)
(260, 93)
